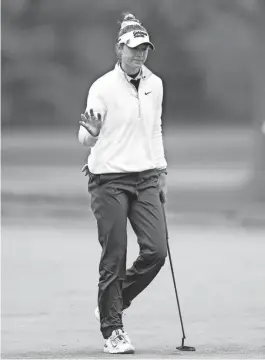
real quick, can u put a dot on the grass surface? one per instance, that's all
(208, 170)
(49, 291)
(50, 252)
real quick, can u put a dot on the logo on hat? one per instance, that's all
(139, 33)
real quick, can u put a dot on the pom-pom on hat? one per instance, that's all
(132, 33)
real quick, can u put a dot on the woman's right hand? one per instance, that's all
(91, 123)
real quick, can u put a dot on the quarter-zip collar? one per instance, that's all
(138, 77)
(144, 73)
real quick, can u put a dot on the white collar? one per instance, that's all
(129, 78)
(143, 74)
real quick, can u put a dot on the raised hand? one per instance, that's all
(91, 123)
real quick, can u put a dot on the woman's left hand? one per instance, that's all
(162, 185)
(85, 169)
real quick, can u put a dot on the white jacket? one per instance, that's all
(130, 138)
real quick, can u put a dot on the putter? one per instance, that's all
(182, 347)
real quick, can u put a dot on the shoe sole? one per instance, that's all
(129, 351)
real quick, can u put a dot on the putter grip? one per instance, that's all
(162, 197)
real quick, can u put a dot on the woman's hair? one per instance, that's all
(129, 23)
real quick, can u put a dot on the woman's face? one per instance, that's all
(134, 57)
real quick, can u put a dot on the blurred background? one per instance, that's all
(210, 55)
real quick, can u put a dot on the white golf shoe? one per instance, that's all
(118, 343)
(97, 316)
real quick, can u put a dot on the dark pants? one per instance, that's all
(114, 198)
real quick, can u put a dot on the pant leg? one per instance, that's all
(147, 220)
(110, 208)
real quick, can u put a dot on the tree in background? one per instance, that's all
(53, 50)
(257, 184)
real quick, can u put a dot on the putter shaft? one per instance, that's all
(182, 347)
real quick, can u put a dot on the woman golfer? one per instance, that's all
(127, 170)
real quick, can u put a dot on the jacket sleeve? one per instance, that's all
(158, 146)
(95, 102)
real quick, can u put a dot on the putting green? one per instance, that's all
(49, 289)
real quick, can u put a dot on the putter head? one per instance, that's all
(186, 348)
